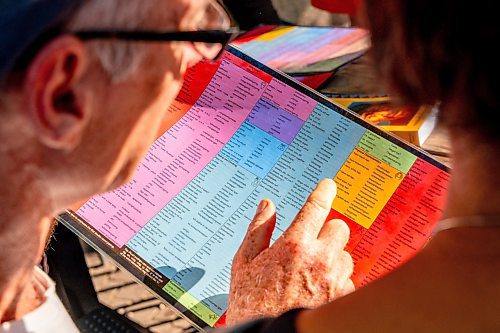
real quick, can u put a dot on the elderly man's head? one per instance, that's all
(81, 114)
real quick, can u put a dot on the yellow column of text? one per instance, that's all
(364, 185)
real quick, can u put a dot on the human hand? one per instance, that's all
(306, 267)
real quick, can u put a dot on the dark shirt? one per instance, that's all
(251, 13)
(282, 324)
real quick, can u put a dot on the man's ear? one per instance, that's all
(57, 103)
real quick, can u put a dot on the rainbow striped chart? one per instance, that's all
(244, 133)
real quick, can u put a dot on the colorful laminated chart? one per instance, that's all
(245, 132)
(305, 49)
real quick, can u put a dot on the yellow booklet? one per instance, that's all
(413, 124)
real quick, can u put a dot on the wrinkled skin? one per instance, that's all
(306, 267)
(56, 151)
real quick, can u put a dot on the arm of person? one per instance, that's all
(350, 7)
(436, 291)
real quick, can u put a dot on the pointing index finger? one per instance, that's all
(313, 214)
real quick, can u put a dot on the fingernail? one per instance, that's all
(262, 206)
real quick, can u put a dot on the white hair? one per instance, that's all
(119, 59)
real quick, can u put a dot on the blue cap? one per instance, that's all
(23, 21)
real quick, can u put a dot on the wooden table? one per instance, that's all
(438, 145)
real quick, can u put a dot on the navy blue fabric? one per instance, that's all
(282, 324)
(23, 21)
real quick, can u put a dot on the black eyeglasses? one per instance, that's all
(209, 43)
